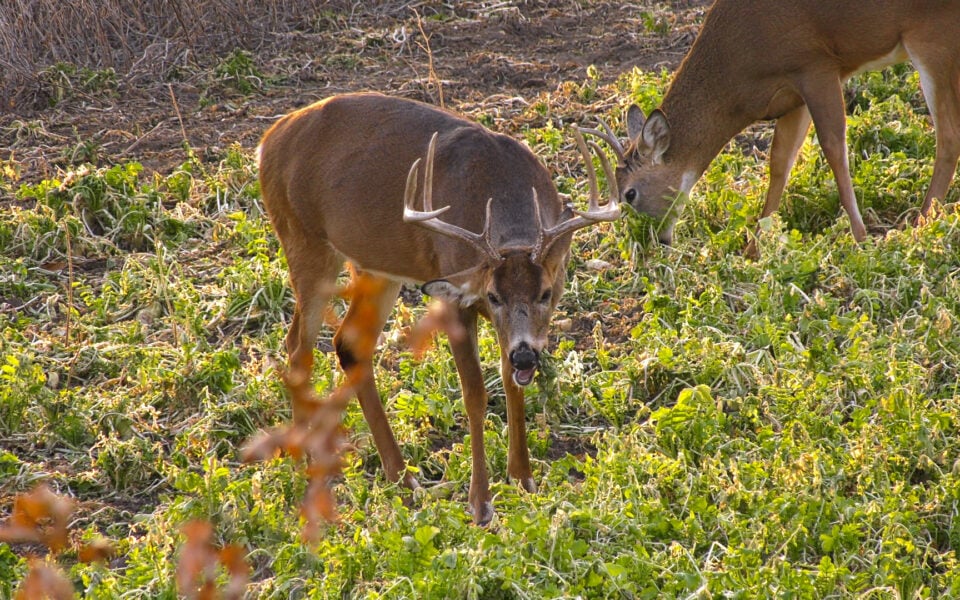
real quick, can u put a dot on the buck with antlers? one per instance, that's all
(339, 181)
(769, 59)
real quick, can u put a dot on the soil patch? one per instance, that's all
(479, 58)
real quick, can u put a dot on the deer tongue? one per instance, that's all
(523, 377)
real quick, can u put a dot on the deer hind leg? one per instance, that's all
(313, 278)
(940, 81)
(788, 135)
(823, 94)
(355, 343)
(467, 357)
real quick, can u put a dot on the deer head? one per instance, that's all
(516, 287)
(648, 183)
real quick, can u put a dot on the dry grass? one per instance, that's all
(129, 35)
(114, 100)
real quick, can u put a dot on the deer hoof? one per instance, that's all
(859, 231)
(483, 514)
(410, 482)
(529, 485)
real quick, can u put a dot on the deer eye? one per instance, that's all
(492, 298)
(630, 195)
(546, 296)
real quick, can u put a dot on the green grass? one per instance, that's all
(710, 426)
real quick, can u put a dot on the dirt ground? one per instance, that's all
(492, 58)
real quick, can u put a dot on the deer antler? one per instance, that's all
(595, 214)
(609, 137)
(428, 217)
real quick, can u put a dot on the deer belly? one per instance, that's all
(897, 55)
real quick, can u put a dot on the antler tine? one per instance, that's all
(411, 214)
(428, 174)
(538, 245)
(595, 214)
(411, 188)
(427, 218)
(613, 203)
(608, 136)
(607, 170)
(591, 172)
(617, 144)
(485, 236)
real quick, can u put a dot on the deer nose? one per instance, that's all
(524, 358)
(666, 236)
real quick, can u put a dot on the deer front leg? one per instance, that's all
(518, 455)
(467, 357)
(355, 342)
(824, 96)
(788, 136)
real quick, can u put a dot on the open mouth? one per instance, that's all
(524, 377)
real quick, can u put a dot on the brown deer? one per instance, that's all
(770, 59)
(339, 181)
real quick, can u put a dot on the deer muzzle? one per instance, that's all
(524, 360)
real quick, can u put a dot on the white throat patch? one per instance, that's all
(462, 295)
(687, 180)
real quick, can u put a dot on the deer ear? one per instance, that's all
(656, 134)
(635, 120)
(444, 290)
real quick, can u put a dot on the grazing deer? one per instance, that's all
(339, 181)
(771, 59)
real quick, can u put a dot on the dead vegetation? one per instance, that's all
(135, 39)
(136, 81)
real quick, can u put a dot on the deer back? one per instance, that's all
(337, 170)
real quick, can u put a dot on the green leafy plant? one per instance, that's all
(239, 71)
(706, 425)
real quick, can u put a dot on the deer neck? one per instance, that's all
(704, 109)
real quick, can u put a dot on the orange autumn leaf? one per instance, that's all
(361, 284)
(267, 445)
(316, 434)
(208, 591)
(319, 504)
(197, 563)
(99, 550)
(311, 410)
(45, 582)
(440, 316)
(233, 559)
(361, 331)
(39, 516)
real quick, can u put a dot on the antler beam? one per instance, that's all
(609, 137)
(429, 218)
(595, 214)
